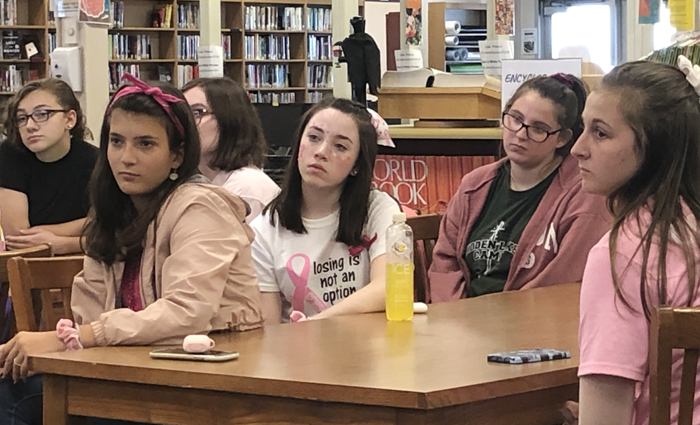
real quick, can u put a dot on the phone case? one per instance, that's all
(528, 356)
(180, 354)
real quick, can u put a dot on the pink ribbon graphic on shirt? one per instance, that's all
(301, 290)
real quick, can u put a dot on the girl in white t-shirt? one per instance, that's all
(319, 246)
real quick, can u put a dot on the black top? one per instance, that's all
(56, 191)
(496, 233)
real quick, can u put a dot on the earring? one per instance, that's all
(353, 172)
(173, 175)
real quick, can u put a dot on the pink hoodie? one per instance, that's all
(552, 249)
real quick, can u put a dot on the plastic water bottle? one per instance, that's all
(399, 270)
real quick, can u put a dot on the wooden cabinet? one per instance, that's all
(462, 57)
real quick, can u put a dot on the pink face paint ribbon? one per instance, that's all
(300, 281)
(68, 334)
(366, 243)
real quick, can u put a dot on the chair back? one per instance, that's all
(32, 281)
(673, 328)
(43, 250)
(7, 324)
(425, 234)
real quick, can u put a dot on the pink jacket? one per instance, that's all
(199, 256)
(554, 244)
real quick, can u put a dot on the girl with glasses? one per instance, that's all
(233, 143)
(523, 221)
(45, 166)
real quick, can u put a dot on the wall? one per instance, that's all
(375, 15)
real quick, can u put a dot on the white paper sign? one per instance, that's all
(211, 61)
(492, 53)
(408, 60)
(67, 8)
(516, 72)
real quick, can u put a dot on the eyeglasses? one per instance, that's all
(200, 113)
(40, 116)
(535, 133)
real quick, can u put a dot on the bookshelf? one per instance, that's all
(23, 22)
(281, 52)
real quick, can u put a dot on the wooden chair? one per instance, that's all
(7, 321)
(425, 234)
(32, 279)
(673, 328)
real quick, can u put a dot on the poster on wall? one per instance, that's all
(682, 14)
(95, 12)
(648, 11)
(504, 17)
(414, 25)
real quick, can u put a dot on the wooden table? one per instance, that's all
(348, 370)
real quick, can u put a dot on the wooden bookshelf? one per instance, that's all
(302, 44)
(32, 23)
(472, 17)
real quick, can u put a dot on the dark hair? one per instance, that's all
(241, 139)
(567, 93)
(114, 228)
(663, 111)
(64, 96)
(354, 200)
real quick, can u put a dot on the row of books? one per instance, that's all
(8, 12)
(187, 47)
(11, 79)
(688, 46)
(268, 18)
(226, 45)
(319, 76)
(319, 47)
(116, 70)
(267, 76)
(186, 73)
(52, 42)
(319, 19)
(162, 16)
(188, 15)
(129, 46)
(267, 47)
(273, 98)
(316, 96)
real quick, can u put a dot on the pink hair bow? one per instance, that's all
(366, 243)
(383, 138)
(156, 93)
(68, 334)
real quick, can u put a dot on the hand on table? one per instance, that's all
(14, 356)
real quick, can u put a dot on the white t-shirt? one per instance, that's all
(313, 266)
(252, 185)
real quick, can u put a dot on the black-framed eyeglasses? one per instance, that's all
(535, 133)
(200, 113)
(39, 116)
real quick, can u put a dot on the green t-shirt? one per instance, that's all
(496, 233)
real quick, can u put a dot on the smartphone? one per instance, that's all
(528, 356)
(180, 354)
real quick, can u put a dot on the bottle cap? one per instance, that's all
(399, 218)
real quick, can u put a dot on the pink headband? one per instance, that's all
(564, 79)
(157, 94)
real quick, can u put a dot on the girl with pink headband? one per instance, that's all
(167, 255)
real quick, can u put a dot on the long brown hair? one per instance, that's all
(354, 200)
(114, 229)
(241, 138)
(663, 111)
(64, 96)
